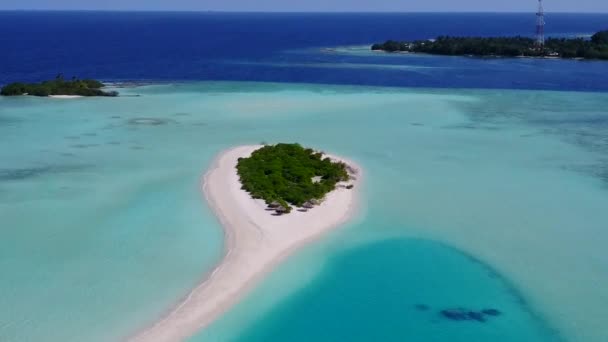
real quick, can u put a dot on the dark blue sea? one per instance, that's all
(282, 47)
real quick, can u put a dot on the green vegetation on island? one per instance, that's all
(289, 174)
(594, 48)
(58, 86)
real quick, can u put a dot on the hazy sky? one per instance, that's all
(313, 5)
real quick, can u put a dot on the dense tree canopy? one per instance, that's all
(58, 86)
(600, 37)
(595, 48)
(284, 173)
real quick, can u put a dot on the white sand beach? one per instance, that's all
(255, 241)
(65, 96)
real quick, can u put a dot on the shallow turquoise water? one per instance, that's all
(103, 226)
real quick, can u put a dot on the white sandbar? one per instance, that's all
(255, 241)
(65, 96)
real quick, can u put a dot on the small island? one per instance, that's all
(258, 238)
(594, 48)
(58, 87)
(286, 175)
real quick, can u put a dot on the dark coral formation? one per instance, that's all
(27, 173)
(491, 312)
(462, 314)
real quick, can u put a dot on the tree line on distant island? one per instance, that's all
(58, 86)
(283, 173)
(594, 48)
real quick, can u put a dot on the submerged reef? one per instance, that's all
(32, 172)
(463, 314)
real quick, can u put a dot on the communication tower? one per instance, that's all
(540, 25)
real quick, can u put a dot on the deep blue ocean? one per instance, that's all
(123, 46)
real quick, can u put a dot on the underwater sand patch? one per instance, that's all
(150, 121)
(83, 145)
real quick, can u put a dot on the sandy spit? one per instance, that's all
(255, 242)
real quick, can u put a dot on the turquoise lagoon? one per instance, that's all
(473, 198)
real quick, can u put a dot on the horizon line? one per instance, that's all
(289, 12)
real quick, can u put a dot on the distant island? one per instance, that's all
(594, 48)
(289, 174)
(58, 87)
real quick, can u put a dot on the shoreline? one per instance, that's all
(486, 56)
(254, 243)
(65, 96)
